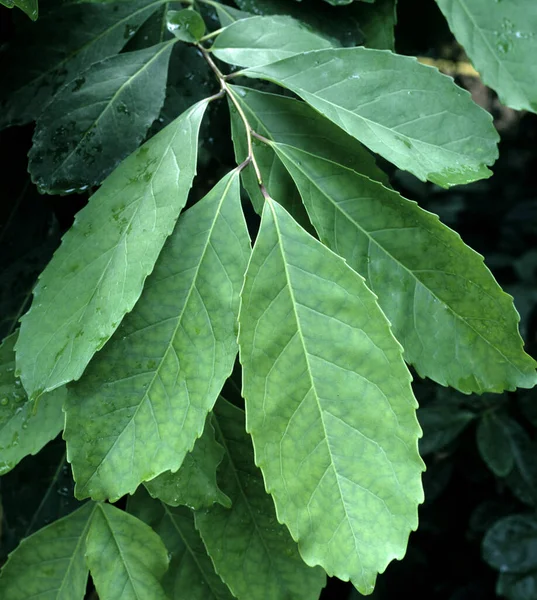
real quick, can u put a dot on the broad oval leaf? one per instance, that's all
(494, 443)
(24, 428)
(463, 329)
(501, 41)
(510, 545)
(65, 41)
(328, 403)
(144, 398)
(252, 552)
(125, 556)
(97, 274)
(409, 113)
(97, 120)
(194, 484)
(50, 564)
(261, 40)
(186, 25)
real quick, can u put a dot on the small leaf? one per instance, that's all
(97, 120)
(454, 321)
(24, 428)
(186, 25)
(441, 424)
(228, 15)
(494, 443)
(97, 274)
(194, 484)
(261, 40)
(191, 568)
(50, 563)
(408, 112)
(510, 545)
(61, 44)
(125, 556)
(251, 551)
(328, 403)
(501, 42)
(377, 21)
(28, 6)
(145, 397)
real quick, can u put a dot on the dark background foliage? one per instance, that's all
(496, 217)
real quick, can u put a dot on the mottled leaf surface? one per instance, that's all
(251, 551)
(144, 399)
(97, 274)
(454, 321)
(407, 112)
(328, 404)
(98, 119)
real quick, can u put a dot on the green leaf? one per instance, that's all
(228, 15)
(260, 40)
(251, 551)
(186, 25)
(98, 272)
(463, 329)
(501, 41)
(194, 484)
(441, 424)
(408, 112)
(145, 397)
(50, 563)
(494, 443)
(517, 587)
(62, 43)
(24, 428)
(28, 6)
(291, 122)
(377, 21)
(125, 556)
(97, 120)
(328, 403)
(510, 545)
(191, 569)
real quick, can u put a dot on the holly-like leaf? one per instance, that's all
(408, 112)
(186, 25)
(510, 544)
(24, 428)
(97, 120)
(463, 329)
(50, 563)
(494, 442)
(328, 403)
(194, 484)
(441, 424)
(251, 551)
(60, 45)
(144, 399)
(28, 6)
(261, 40)
(501, 42)
(125, 556)
(191, 568)
(97, 274)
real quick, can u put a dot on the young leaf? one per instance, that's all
(97, 274)
(191, 569)
(24, 429)
(501, 42)
(186, 25)
(125, 556)
(28, 6)
(194, 485)
(408, 112)
(377, 21)
(97, 120)
(510, 544)
(144, 399)
(261, 40)
(494, 443)
(50, 563)
(441, 424)
(251, 551)
(65, 41)
(328, 403)
(463, 329)
(228, 15)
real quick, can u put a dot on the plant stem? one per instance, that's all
(212, 34)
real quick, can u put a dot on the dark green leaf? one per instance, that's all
(408, 112)
(494, 443)
(194, 484)
(228, 14)
(144, 399)
(97, 120)
(377, 21)
(517, 587)
(251, 551)
(99, 270)
(186, 25)
(441, 424)
(328, 403)
(28, 6)
(510, 545)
